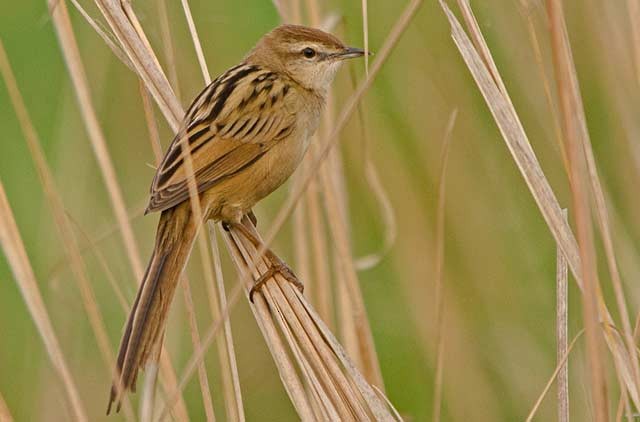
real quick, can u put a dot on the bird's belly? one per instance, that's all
(236, 196)
(278, 165)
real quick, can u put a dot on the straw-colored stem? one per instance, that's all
(229, 366)
(562, 333)
(18, 260)
(547, 387)
(573, 137)
(195, 339)
(5, 414)
(439, 268)
(63, 225)
(75, 67)
(71, 54)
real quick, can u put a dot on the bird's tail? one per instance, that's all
(142, 338)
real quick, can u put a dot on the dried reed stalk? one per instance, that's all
(333, 386)
(75, 67)
(439, 268)
(576, 132)
(18, 260)
(562, 333)
(216, 294)
(633, 7)
(488, 79)
(559, 367)
(63, 225)
(329, 186)
(189, 307)
(5, 414)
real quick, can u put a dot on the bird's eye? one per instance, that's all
(309, 53)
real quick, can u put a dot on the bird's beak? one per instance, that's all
(350, 53)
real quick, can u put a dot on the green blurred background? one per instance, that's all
(499, 256)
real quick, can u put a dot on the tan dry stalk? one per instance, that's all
(195, 338)
(562, 332)
(75, 67)
(338, 228)
(71, 54)
(189, 307)
(5, 414)
(337, 385)
(575, 128)
(18, 260)
(546, 83)
(522, 152)
(633, 7)
(559, 367)
(439, 267)
(226, 351)
(63, 225)
(381, 196)
(167, 43)
(148, 396)
(230, 378)
(365, 33)
(196, 42)
(322, 270)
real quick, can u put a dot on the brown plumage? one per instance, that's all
(246, 133)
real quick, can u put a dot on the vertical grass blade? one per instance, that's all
(562, 333)
(18, 260)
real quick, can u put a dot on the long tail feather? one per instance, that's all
(143, 333)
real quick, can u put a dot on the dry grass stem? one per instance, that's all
(331, 184)
(148, 396)
(365, 33)
(575, 130)
(562, 333)
(71, 54)
(195, 339)
(231, 385)
(559, 368)
(372, 177)
(633, 7)
(316, 351)
(229, 366)
(516, 139)
(73, 60)
(579, 149)
(167, 43)
(5, 414)
(338, 228)
(18, 260)
(439, 267)
(62, 222)
(196, 42)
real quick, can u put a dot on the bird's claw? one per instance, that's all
(279, 268)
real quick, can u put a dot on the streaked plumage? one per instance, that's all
(246, 133)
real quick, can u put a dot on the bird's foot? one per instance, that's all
(278, 267)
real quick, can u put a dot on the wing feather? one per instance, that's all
(230, 125)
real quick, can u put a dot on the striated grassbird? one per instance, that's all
(246, 133)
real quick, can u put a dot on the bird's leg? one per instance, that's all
(277, 264)
(253, 218)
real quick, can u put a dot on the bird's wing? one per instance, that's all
(229, 126)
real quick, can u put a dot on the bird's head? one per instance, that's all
(309, 56)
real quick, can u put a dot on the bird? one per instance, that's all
(241, 138)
